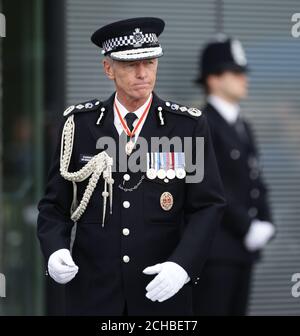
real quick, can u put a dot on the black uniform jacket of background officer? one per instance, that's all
(182, 235)
(245, 191)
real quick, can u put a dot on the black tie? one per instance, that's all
(241, 130)
(130, 118)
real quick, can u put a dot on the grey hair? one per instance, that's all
(108, 59)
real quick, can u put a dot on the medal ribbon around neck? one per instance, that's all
(124, 124)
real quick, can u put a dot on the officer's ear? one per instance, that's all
(212, 83)
(108, 68)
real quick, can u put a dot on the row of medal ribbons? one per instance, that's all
(166, 165)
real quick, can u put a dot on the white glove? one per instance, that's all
(258, 235)
(170, 279)
(61, 266)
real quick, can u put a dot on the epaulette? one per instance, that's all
(182, 110)
(90, 105)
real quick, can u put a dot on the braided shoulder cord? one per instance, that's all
(100, 163)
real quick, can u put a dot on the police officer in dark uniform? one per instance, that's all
(123, 240)
(246, 226)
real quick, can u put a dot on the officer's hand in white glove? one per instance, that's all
(61, 266)
(169, 280)
(258, 235)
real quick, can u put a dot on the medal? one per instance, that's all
(171, 174)
(166, 201)
(180, 173)
(151, 174)
(180, 165)
(129, 147)
(151, 171)
(161, 174)
(170, 164)
(166, 166)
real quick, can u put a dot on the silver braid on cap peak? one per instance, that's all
(100, 163)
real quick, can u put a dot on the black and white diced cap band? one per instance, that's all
(131, 47)
(137, 39)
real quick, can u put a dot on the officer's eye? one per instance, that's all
(131, 64)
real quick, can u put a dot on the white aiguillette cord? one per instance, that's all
(100, 163)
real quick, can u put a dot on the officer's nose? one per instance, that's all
(141, 71)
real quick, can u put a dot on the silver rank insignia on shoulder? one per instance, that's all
(89, 105)
(69, 110)
(174, 107)
(80, 106)
(194, 112)
(183, 108)
(166, 201)
(166, 165)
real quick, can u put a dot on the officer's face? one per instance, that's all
(134, 79)
(230, 85)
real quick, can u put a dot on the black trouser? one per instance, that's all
(223, 289)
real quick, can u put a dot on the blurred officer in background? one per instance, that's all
(246, 228)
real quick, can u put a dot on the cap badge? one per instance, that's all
(138, 38)
(238, 53)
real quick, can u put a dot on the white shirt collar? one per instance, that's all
(228, 111)
(124, 111)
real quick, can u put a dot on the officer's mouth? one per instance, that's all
(141, 86)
